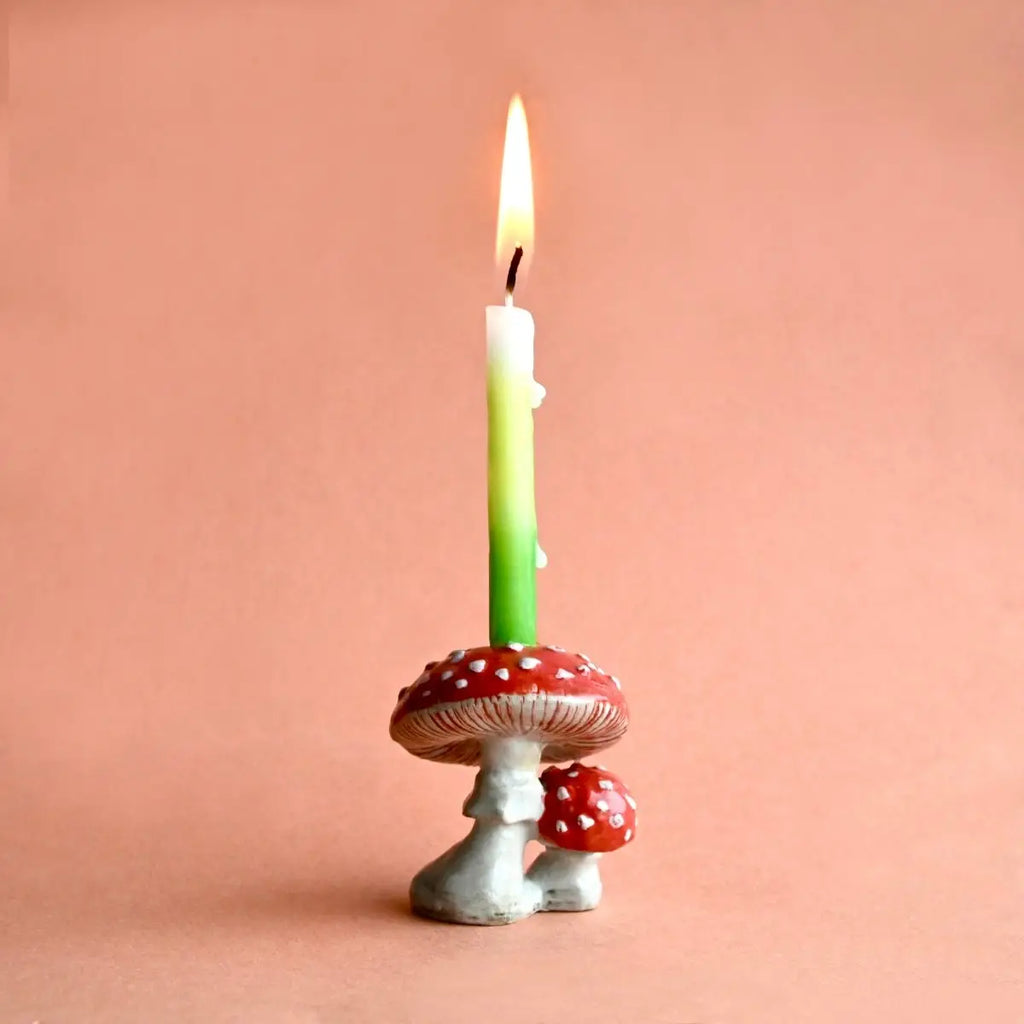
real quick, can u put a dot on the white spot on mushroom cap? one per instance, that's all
(631, 801)
(585, 669)
(529, 663)
(461, 684)
(560, 826)
(477, 665)
(616, 821)
(628, 835)
(563, 673)
(447, 673)
(562, 793)
(615, 680)
(426, 693)
(572, 775)
(501, 673)
(584, 821)
(553, 647)
(456, 656)
(602, 805)
(606, 784)
(514, 646)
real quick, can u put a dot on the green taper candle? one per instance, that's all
(512, 395)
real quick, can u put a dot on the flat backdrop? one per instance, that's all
(778, 290)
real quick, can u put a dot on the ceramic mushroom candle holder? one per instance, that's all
(507, 709)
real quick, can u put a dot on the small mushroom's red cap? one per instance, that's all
(586, 809)
(561, 700)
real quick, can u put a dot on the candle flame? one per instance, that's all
(515, 205)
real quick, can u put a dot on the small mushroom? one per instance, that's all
(587, 811)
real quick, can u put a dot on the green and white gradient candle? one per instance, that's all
(512, 395)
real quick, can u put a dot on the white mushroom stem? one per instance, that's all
(480, 880)
(568, 879)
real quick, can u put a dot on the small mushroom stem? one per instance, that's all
(568, 879)
(480, 880)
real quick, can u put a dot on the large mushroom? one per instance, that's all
(587, 812)
(505, 709)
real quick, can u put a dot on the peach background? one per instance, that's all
(780, 477)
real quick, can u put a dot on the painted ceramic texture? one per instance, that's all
(779, 478)
(507, 709)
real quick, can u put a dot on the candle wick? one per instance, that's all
(513, 269)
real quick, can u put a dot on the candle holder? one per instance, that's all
(506, 709)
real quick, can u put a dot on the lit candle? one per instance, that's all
(512, 395)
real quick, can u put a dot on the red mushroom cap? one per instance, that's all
(586, 809)
(562, 700)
